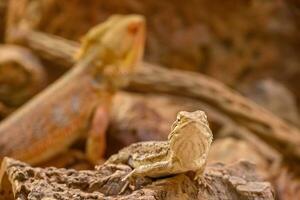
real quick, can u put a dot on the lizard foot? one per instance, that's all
(124, 188)
(130, 180)
(131, 177)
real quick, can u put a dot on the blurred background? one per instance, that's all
(252, 46)
(241, 43)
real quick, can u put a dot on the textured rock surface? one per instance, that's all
(237, 181)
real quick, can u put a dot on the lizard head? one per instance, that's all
(190, 139)
(119, 42)
(196, 121)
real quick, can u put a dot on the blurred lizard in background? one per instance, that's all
(77, 104)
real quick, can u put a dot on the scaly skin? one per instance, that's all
(185, 150)
(55, 118)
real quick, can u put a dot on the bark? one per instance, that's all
(236, 181)
(150, 78)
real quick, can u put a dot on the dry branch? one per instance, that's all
(150, 78)
(236, 181)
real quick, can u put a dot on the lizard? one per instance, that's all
(185, 150)
(77, 105)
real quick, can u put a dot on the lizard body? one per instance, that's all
(185, 150)
(62, 113)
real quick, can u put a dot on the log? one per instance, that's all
(235, 181)
(51, 47)
(150, 78)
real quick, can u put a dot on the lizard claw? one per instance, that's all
(129, 177)
(124, 187)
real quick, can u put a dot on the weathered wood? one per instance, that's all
(151, 78)
(51, 47)
(236, 181)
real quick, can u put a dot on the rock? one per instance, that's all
(235, 181)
